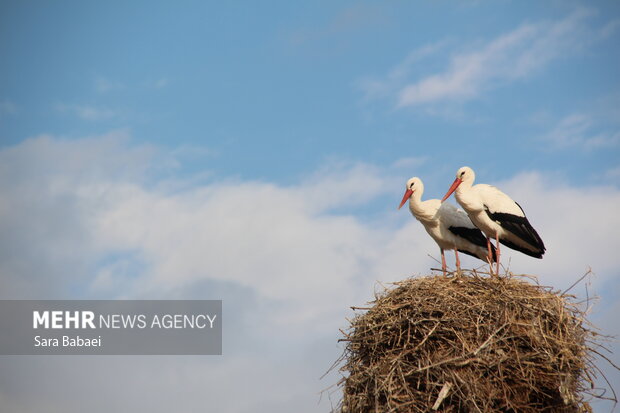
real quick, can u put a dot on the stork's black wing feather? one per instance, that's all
(521, 228)
(475, 236)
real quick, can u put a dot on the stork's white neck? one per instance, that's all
(465, 195)
(420, 209)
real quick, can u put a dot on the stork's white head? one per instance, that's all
(413, 185)
(464, 175)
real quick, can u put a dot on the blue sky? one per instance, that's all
(256, 152)
(270, 92)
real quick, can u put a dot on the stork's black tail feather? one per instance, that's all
(521, 228)
(536, 254)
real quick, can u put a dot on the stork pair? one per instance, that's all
(489, 213)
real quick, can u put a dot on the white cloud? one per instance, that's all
(382, 88)
(570, 130)
(511, 56)
(51, 187)
(344, 22)
(603, 140)
(86, 218)
(225, 384)
(585, 131)
(609, 29)
(87, 112)
(105, 85)
(613, 173)
(161, 83)
(410, 162)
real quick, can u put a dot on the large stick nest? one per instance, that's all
(468, 344)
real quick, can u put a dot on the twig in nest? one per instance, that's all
(445, 390)
(578, 281)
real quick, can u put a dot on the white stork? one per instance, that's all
(496, 214)
(449, 226)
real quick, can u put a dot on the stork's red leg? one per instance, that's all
(497, 253)
(443, 262)
(458, 262)
(490, 256)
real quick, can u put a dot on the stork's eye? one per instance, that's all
(411, 186)
(462, 173)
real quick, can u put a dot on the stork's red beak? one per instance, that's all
(407, 195)
(455, 185)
